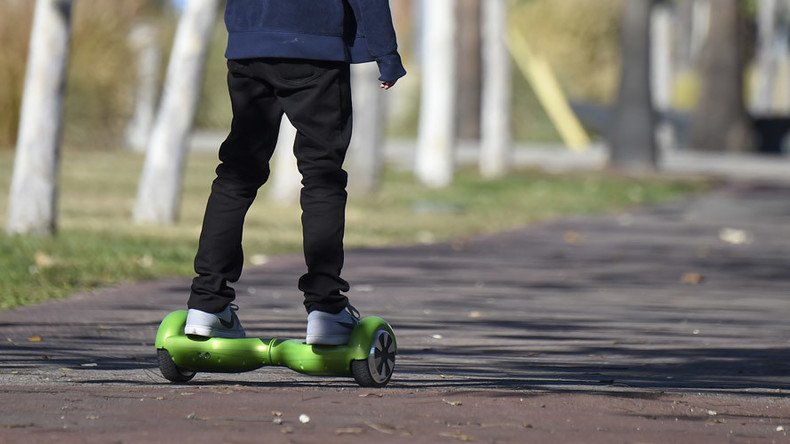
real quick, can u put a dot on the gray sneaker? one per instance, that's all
(331, 329)
(224, 324)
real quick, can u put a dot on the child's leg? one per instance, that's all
(319, 106)
(244, 167)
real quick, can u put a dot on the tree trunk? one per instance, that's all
(159, 194)
(366, 153)
(469, 68)
(768, 41)
(435, 155)
(34, 192)
(286, 179)
(720, 121)
(146, 47)
(632, 136)
(495, 150)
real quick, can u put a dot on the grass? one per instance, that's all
(97, 245)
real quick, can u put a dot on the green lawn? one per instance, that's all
(98, 245)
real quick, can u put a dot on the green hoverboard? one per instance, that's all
(369, 355)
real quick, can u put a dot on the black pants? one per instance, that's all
(316, 97)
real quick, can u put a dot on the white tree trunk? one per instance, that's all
(767, 56)
(662, 72)
(286, 179)
(661, 55)
(143, 40)
(159, 193)
(366, 158)
(33, 198)
(435, 155)
(495, 146)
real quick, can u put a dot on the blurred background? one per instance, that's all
(580, 40)
(513, 111)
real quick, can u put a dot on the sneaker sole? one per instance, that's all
(208, 332)
(326, 340)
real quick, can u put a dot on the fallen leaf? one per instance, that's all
(452, 403)
(287, 430)
(457, 435)
(572, 237)
(43, 260)
(92, 417)
(692, 279)
(368, 395)
(18, 426)
(348, 431)
(383, 428)
(277, 413)
(147, 261)
(736, 237)
(259, 259)
(35, 339)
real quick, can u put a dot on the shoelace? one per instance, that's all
(353, 311)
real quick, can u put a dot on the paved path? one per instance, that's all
(577, 330)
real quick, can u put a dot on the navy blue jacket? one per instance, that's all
(355, 31)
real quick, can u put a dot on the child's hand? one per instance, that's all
(387, 85)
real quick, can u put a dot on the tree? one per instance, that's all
(159, 193)
(366, 153)
(496, 110)
(435, 155)
(720, 121)
(33, 198)
(286, 179)
(470, 69)
(771, 44)
(632, 136)
(143, 40)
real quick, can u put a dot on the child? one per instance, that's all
(291, 57)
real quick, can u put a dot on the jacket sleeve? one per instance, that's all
(374, 20)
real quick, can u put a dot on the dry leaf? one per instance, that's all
(692, 279)
(287, 430)
(457, 435)
(43, 260)
(277, 413)
(452, 403)
(736, 237)
(383, 428)
(367, 395)
(348, 431)
(35, 339)
(572, 237)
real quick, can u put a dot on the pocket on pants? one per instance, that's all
(297, 71)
